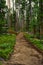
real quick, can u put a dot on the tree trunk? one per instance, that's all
(41, 16)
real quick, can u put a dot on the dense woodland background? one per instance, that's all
(25, 15)
(21, 32)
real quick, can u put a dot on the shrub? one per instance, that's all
(2, 22)
(37, 42)
(7, 42)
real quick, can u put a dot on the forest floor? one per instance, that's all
(24, 53)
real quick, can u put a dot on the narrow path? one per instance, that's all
(24, 53)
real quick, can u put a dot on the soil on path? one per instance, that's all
(24, 53)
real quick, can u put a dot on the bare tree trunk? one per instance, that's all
(41, 16)
(28, 15)
(9, 14)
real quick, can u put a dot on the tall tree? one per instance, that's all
(40, 19)
(28, 14)
(2, 7)
(2, 13)
(9, 13)
(41, 15)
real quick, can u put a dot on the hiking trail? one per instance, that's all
(24, 53)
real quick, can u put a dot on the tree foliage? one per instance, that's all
(2, 13)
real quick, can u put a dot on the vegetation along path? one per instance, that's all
(24, 53)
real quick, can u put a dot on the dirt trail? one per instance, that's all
(24, 53)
